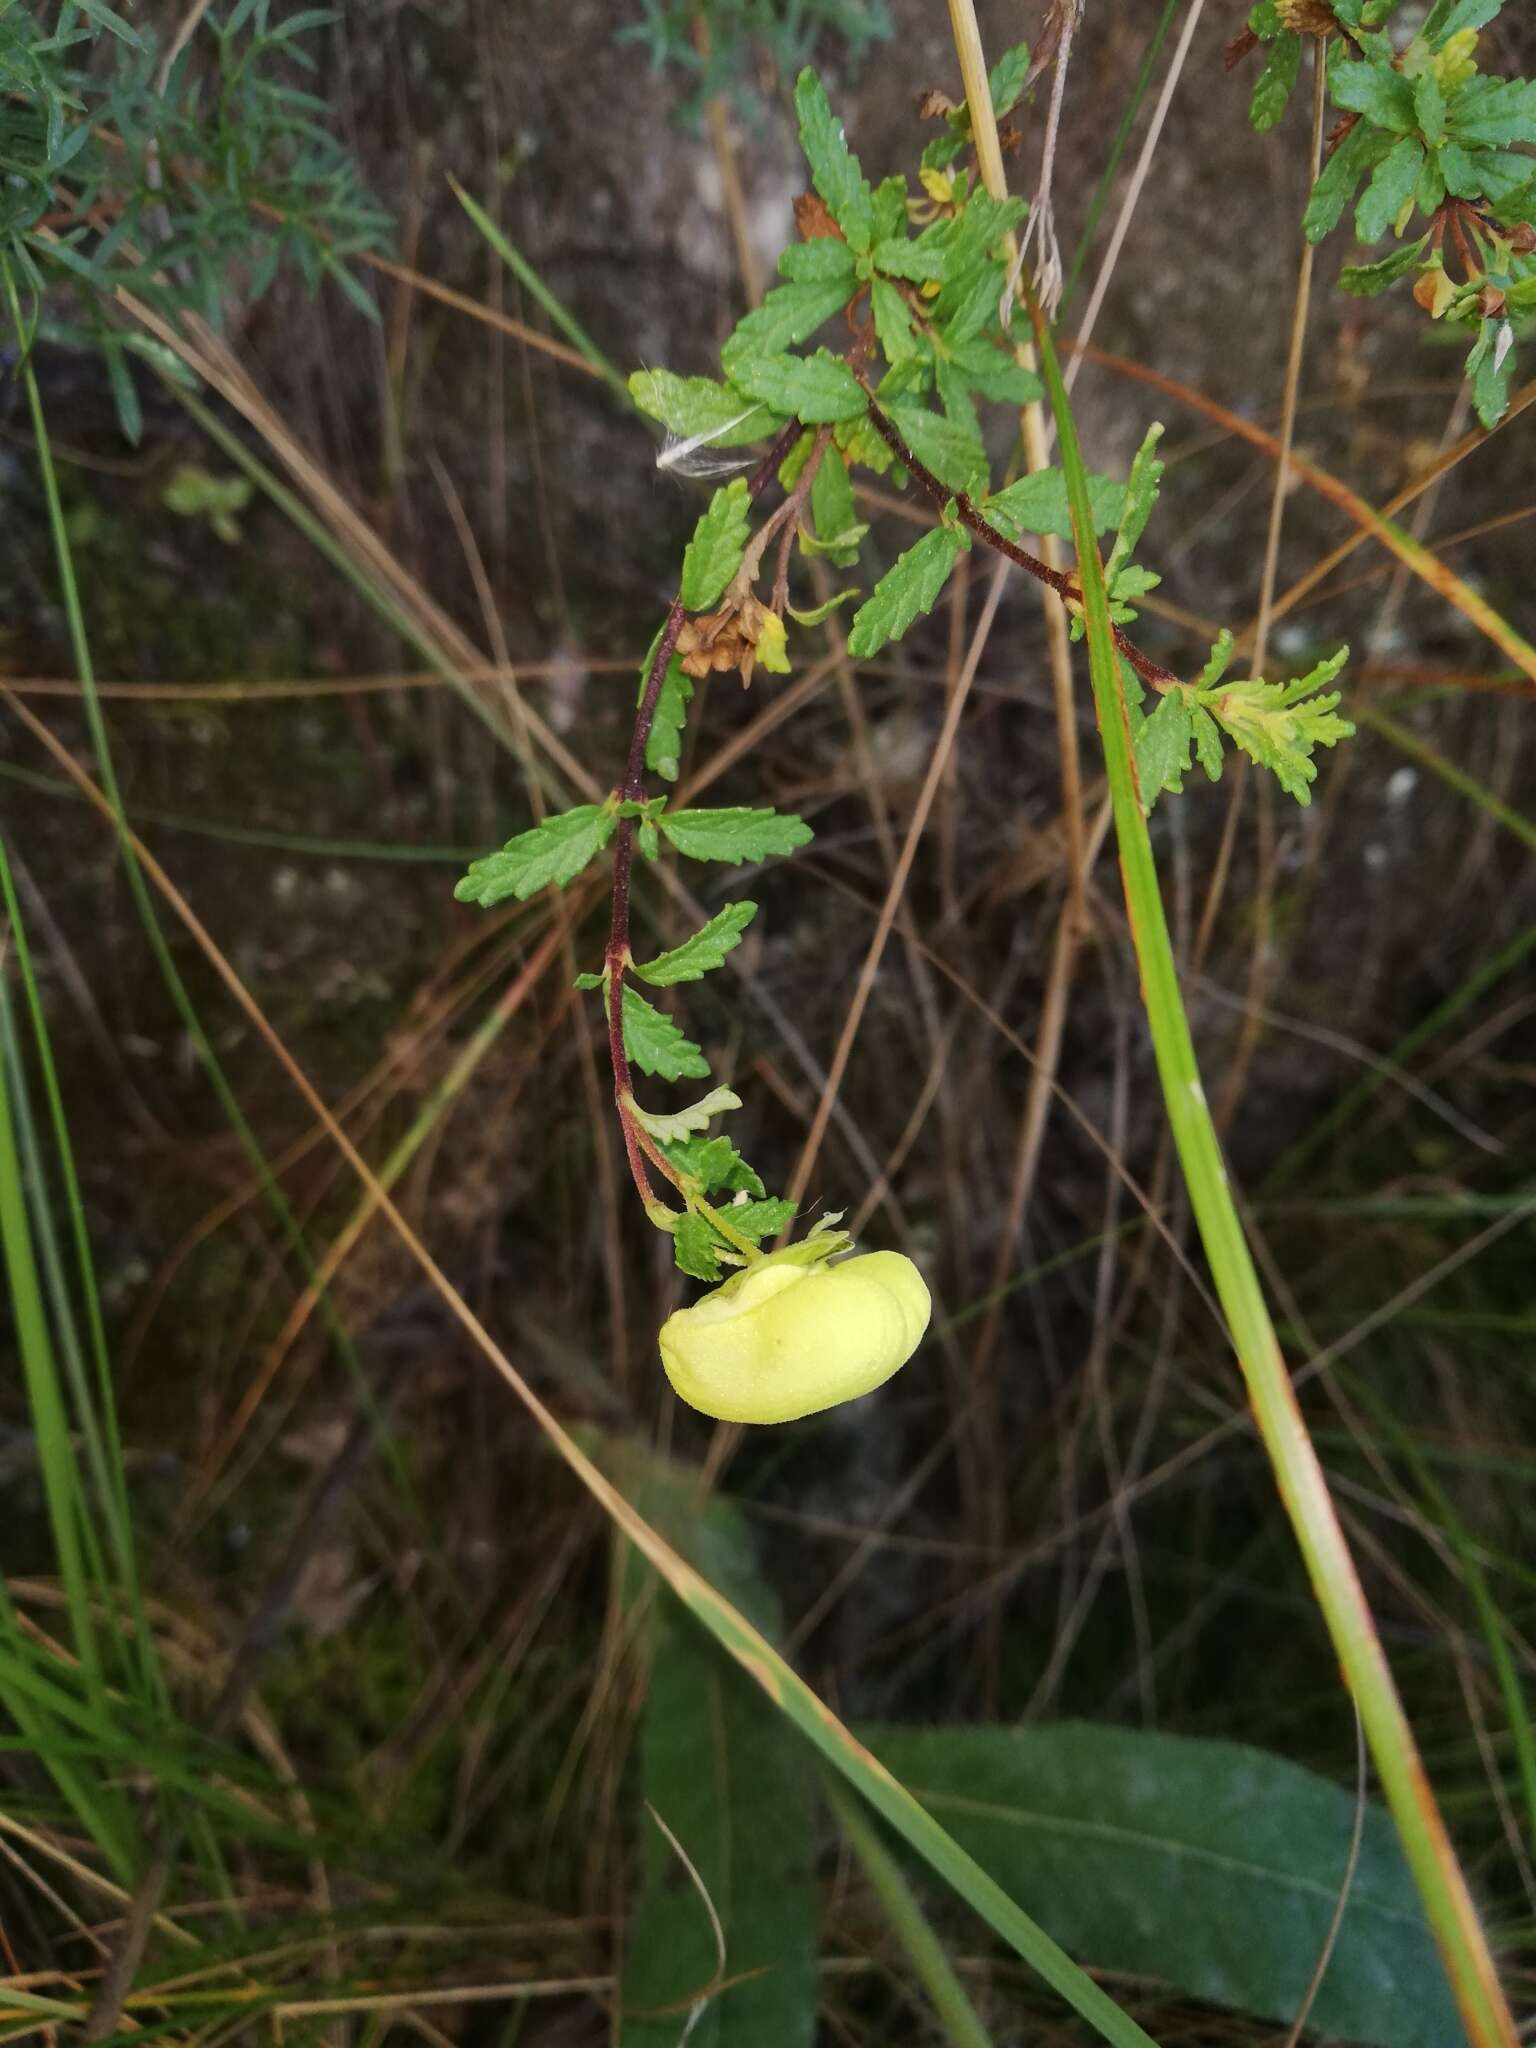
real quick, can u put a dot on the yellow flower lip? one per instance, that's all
(784, 1339)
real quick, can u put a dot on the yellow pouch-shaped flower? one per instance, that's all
(785, 1339)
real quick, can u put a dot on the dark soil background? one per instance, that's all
(988, 1584)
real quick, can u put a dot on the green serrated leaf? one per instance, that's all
(1392, 185)
(790, 314)
(719, 541)
(1368, 280)
(1207, 738)
(1362, 148)
(994, 373)
(1492, 112)
(757, 1220)
(817, 389)
(1162, 747)
(696, 1247)
(714, 1163)
(1489, 367)
(893, 323)
(908, 589)
(919, 261)
(1272, 89)
(671, 1127)
(955, 455)
(1038, 504)
(693, 407)
(656, 1045)
(833, 512)
(554, 852)
(835, 170)
(1384, 96)
(707, 949)
(1005, 81)
(734, 834)
(1141, 488)
(1278, 725)
(825, 259)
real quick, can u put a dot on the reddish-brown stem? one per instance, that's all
(632, 790)
(1064, 585)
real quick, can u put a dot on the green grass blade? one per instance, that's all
(537, 289)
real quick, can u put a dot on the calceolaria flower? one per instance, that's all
(785, 1339)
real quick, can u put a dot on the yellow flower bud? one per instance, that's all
(784, 1339)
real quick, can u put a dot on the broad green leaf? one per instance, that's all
(1483, 173)
(707, 949)
(555, 851)
(692, 407)
(735, 834)
(1382, 95)
(1390, 189)
(728, 1774)
(956, 457)
(790, 313)
(1038, 504)
(908, 589)
(1005, 81)
(719, 541)
(825, 259)
(672, 1126)
(1429, 108)
(835, 169)
(816, 389)
(1206, 1865)
(757, 1220)
(1362, 148)
(655, 1043)
(1272, 89)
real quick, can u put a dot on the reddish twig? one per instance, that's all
(1065, 586)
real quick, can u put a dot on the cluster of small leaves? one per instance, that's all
(740, 35)
(1277, 725)
(224, 169)
(1438, 150)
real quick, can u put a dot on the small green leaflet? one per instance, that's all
(674, 1126)
(1038, 504)
(834, 513)
(1494, 112)
(820, 612)
(1362, 148)
(1162, 747)
(835, 169)
(954, 455)
(734, 834)
(695, 1247)
(818, 389)
(758, 1220)
(1005, 81)
(994, 374)
(1392, 186)
(1366, 280)
(714, 1163)
(819, 261)
(1278, 725)
(555, 851)
(1489, 365)
(719, 541)
(893, 323)
(690, 406)
(1382, 95)
(663, 747)
(919, 262)
(908, 588)
(656, 1045)
(1140, 497)
(789, 314)
(1273, 87)
(707, 949)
